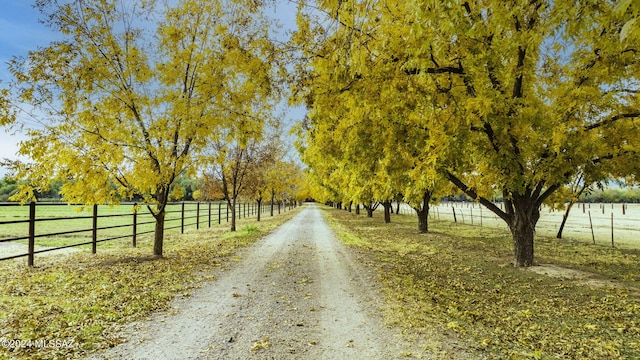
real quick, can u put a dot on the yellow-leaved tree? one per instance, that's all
(366, 132)
(516, 97)
(134, 92)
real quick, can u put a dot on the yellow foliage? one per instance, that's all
(127, 111)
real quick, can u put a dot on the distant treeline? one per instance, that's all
(9, 187)
(619, 195)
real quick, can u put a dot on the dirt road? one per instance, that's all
(296, 294)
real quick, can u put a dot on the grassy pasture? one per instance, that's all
(144, 219)
(458, 280)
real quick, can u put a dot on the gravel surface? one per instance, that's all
(12, 248)
(296, 294)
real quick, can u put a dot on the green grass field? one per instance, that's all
(144, 219)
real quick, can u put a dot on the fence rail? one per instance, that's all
(602, 223)
(118, 222)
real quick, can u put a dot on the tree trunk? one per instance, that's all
(259, 201)
(232, 207)
(565, 216)
(521, 213)
(398, 207)
(387, 212)
(159, 232)
(370, 210)
(158, 238)
(357, 209)
(423, 213)
(350, 204)
(423, 220)
(273, 196)
(523, 226)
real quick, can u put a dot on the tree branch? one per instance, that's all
(612, 120)
(474, 195)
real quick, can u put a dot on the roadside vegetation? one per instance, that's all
(85, 299)
(582, 303)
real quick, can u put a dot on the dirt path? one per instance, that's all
(12, 248)
(296, 294)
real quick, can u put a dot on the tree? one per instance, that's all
(134, 92)
(573, 192)
(234, 171)
(526, 93)
(8, 187)
(538, 108)
(364, 124)
(631, 26)
(263, 169)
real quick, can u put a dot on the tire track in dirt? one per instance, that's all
(296, 294)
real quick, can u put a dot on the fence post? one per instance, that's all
(135, 225)
(612, 244)
(198, 215)
(94, 234)
(219, 212)
(209, 213)
(593, 236)
(455, 219)
(182, 220)
(32, 232)
(227, 206)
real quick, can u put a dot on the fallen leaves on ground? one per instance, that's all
(84, 299)
(459, 279)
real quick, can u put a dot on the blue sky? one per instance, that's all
(21, 32)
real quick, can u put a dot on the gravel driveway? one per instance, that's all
(296, 294)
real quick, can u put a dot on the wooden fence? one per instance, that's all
(112, 226)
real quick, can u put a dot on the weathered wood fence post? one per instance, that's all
(32, 232)
(182, 219)
(198, 215)
(94, 231)
(135, 225)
